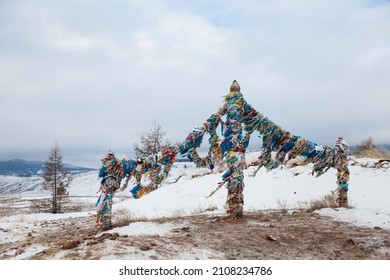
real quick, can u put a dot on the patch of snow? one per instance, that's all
(360, 217)
(30, 252)
(146, 228)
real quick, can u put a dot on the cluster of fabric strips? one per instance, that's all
(156, 167)
(278, 144)
(112, 172)
(278, 147)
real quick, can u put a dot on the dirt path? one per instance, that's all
(261, 235)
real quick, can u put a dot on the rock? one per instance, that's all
(338, 253)
(271, 238)
(185, 228)
(106, 235)
(19, 252)
(114, 237)
(350, 242)
(100, 239)
(29, 234)
(70, 244)
(144, 247)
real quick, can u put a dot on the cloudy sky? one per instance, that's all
(94, 75)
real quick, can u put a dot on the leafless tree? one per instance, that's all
(365, 145)
(56, 178)
(151, 142)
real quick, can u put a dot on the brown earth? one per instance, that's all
(276, 234)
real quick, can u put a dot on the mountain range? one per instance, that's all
(24, 168)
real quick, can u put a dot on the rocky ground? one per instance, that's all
(276, 234)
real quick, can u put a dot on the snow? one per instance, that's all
(44, 217)
(185, 190)
(148, 228)
(30, 251)
(281, 188)
(359, 216)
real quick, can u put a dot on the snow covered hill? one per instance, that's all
(20, 167)
(185, 190)
(13, 185)
(283, 188)
(273, 203)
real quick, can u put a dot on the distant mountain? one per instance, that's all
(24, 168)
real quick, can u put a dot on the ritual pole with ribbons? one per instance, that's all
(238, 120)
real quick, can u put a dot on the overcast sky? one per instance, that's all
(94, 75)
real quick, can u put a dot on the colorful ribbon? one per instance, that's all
(278, 147)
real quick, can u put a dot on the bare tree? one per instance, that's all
(56, 178)
(365, 145)
(152, 142)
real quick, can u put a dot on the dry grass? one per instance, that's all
(375, 152)
(24, 219)
(328, 201)
(179, 213)
(124, 216)
(282, 204)
(3, 213)
(201, 210)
